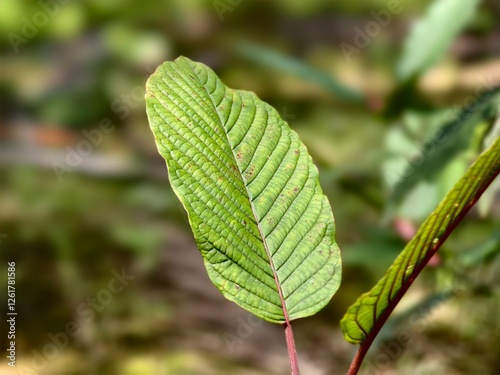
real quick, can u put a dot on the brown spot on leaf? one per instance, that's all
(250, 171)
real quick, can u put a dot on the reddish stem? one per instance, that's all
(292, 352)
(360, 355)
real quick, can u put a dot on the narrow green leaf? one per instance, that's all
(252, 194)
(287, 64)
(366, 316)
(431, 36)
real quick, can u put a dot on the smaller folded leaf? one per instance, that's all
(366, 316)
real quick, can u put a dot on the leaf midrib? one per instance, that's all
(228, 170)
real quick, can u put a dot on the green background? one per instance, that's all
(71, 223)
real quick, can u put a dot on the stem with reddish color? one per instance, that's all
(358, 359)
(292, 352)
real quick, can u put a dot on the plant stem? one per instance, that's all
(358, 359)
(292, 352)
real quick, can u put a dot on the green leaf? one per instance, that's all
(287, 64)
(252, 194)
(431, 36)
(366, 316)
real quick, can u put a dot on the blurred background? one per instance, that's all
(108, 278)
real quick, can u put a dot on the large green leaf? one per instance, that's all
(366, 316)
(431, 36)
(252, 194)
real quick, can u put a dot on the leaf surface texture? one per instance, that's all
(259, 217)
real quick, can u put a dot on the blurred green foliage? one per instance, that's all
(113, 209)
